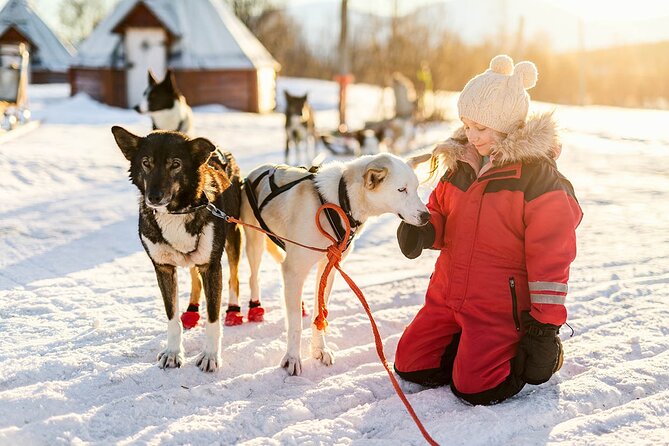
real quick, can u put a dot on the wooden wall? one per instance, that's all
(230, 88)
(48, 77)
(102, 84)
(14, 36)
(237, 89)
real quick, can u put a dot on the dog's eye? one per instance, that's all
(402, 189)
(175, 164)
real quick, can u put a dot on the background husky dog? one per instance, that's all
(365, 141)
(300, 128)
(372, 185)
(166, 105)
(177, 177)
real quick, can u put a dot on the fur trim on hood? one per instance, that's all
(536, 139)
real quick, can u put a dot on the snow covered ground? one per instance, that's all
(81, 318)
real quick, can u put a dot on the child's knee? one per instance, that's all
(506, 389)
(428, 373)
(428, 378)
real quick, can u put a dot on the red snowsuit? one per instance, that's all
(507, 239)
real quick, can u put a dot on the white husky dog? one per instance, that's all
(285, 200)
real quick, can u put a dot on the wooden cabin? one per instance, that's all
(50, 57)
(215, 58)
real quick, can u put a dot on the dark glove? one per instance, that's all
(539, 352)
(413, 239)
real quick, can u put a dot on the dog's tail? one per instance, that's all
(274, 250)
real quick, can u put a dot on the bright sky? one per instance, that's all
(615, 10)
(588, 9)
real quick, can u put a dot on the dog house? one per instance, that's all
(50, 57)
(214, 57)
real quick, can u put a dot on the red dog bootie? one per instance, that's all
(191, 316)
(304, 312)
(233, 316)
(256, 312)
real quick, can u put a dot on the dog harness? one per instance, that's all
(275, 190)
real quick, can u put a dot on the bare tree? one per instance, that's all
(284, 39)
(79, 17)
(249, 10)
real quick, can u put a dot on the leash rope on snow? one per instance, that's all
(334, 255)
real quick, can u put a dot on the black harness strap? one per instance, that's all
(253, 201)
(276, 190)
(250, 188)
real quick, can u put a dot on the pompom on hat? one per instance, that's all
(497, 98)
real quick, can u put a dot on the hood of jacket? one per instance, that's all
(536, 139)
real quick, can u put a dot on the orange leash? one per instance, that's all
(334, 254)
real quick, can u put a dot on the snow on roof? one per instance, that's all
(207, 36)
(54, 54)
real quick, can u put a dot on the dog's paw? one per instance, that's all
(169, 359)
(325, 355)
(256, 314)
(189, 319)
(233, 318)
(208, 362)
(292, 364)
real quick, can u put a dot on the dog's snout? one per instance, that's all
(155, 197)
(424, 217)
(136, 108)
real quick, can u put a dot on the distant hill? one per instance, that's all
(476, 20)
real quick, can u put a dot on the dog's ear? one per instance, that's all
(171, 81)
(152, 80)
(126, 141)
(375, 172)
(201, 149)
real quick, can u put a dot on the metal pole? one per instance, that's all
(343, 65)
(581, 63)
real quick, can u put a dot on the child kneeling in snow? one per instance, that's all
(504, 219)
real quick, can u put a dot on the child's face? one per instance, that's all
(481, 137)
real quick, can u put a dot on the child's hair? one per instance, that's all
(443, 156)
(434, 169)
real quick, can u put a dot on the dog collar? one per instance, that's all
(334, 219)
(189, 210)
(345, 203)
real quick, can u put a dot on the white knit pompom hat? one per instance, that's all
(497, 98)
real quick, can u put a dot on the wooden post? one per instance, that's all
(344, 78)
(581, 63)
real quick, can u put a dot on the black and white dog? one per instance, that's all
(166, 105)
(169, 111)
(300, 129)
(177, 178)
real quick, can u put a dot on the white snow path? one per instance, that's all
(81, 319)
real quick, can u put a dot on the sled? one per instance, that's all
(13, 85)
